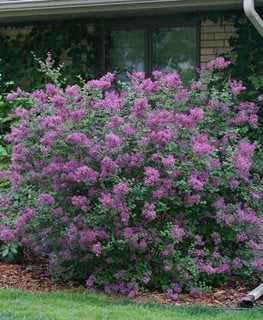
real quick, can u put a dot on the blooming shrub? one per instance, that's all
(151, 186)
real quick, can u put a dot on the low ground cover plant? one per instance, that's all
(143, 185)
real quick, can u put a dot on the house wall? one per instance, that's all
(214, 39)
(13, 32)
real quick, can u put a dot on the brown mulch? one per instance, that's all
(217, 298)
(26, 278)
(33, 277)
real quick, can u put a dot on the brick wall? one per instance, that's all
(13, 32)
(214, 39)
(17, 32)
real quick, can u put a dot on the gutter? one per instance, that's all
(253, 16)
(14, 9)
(249, 300)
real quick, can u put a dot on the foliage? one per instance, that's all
(11, 252)
(247, 48)
(5, 121)
(4, 126)
(72, 40)
(151, 186)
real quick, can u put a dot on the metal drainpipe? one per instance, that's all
(255, 19)
(252, 15)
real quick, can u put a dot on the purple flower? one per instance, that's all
(6, 235)
(78, 138)
(218, 64)
(236, 87)
(167, 267)
(197, 86)
(242, 159)
(177, 232)
(152, 176)
(80, 202)
(115, 122)
(13, 96)
(77, 115)
(181, 96)
(24, 218)
(233, 184)
(119, 274)
(171, 80)
(58, 101)
(17, 134)
(201, 145)
(258, 265)
(140, 106)
(107, 201)
(72, 91)
(90, 282)
(198, 180)
(147, 277)
(148, 211)
(157, 118)
(51, 122)
(196, 115)
(161, 136)
(130, 131)
(96, 249)
(104, 83)
(46, 199)
(190, 200)
(216, 238)
(85, 173)
(121, 189)
(174, 291)
(108, 167)
(199, 241)
(256, 196)
(195, 292)
(128, 233)
(113, 141)
(237, 264)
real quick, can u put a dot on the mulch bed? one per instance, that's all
(33, 277)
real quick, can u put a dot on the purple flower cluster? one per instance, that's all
(148, 211)
(201, 145)
(46, 199)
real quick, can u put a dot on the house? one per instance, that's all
(140, 34)
(130, 34)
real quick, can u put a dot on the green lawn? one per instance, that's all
(15, 305)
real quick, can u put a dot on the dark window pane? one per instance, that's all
(126, 50)
(175, 49)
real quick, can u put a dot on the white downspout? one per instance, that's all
(252, 15)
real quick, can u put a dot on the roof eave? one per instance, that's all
(17, 10)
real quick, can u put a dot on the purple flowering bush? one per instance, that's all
(148, 186)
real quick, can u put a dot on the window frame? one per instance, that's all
(148, 24)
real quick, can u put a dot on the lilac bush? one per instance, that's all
(147, 186)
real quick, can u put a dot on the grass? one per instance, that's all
(16, 305)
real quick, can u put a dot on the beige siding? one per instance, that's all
(215, 39)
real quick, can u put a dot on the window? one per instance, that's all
(152, 44)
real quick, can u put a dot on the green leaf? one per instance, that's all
(5, 253)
